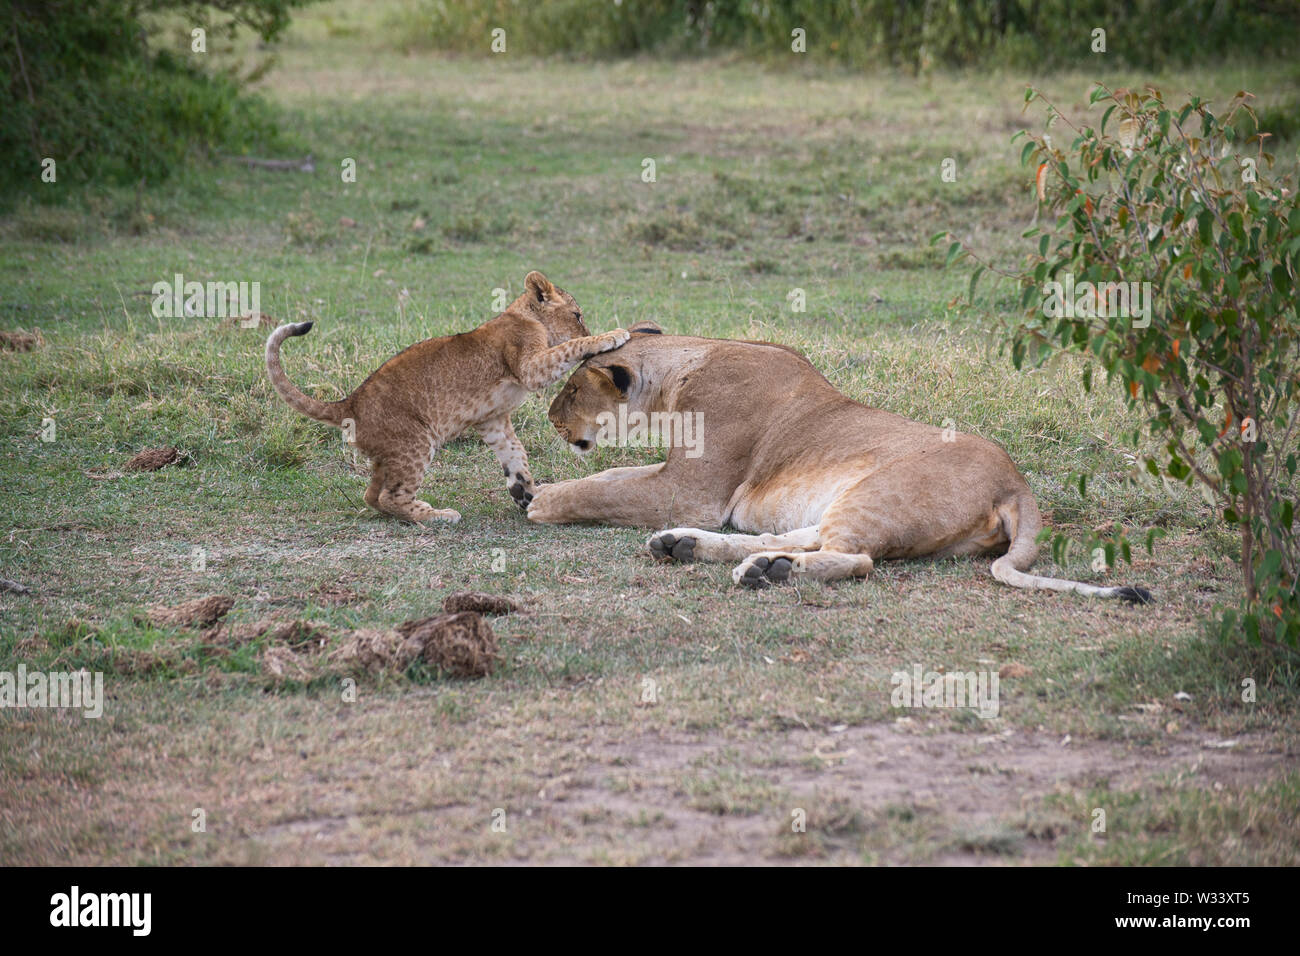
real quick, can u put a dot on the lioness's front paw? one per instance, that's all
(666, 546)
(541, 508)
(761, 571)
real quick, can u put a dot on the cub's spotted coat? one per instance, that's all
(428, 394)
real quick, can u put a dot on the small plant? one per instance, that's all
(474, 228)
(1172, 264)
(305, 228)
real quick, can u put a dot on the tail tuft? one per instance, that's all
(1022, 522)
(1133, 595)
(331, 412)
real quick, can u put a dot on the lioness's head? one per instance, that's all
(600, 385)
(553, 307)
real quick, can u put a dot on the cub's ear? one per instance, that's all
(538, 286)
(620, 376)
(645, 327)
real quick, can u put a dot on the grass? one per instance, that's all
(471, 172)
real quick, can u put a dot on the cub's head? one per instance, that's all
(603, 383)
(553, 307)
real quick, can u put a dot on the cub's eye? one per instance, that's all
(578, 316)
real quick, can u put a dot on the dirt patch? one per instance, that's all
(884, 780)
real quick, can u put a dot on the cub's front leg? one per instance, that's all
(499, 435)
(550, 365)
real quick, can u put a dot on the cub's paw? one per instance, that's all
(763, 570)
(614, 339)
(666, 546)
(522, 492)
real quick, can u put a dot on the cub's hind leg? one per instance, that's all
(376, 485)
(396, 482)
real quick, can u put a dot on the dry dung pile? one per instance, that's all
(460, 644)
(479, 602)
(15, 341)
(286, 664)
(151, 459)
(376, 650)
(201, 613)
(301, 637)
(463, 645)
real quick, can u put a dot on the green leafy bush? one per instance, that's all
(866, 33)
(1172, 264)
(83, 87)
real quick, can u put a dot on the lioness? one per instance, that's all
(825, 485)
(426, 395)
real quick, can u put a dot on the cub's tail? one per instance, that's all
(1022, 522)
(331, 412)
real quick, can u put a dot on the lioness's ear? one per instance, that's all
(620, 376)
(538, 286)
(645, 327)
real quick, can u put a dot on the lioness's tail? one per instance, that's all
(1021, 520)
(331, 412)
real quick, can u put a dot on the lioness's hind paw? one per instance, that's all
(666, 546)
(759, 571)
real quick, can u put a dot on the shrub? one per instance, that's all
(1168, 196)
(83, 87)
(865, 33)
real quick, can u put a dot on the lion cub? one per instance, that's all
(428, 394)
